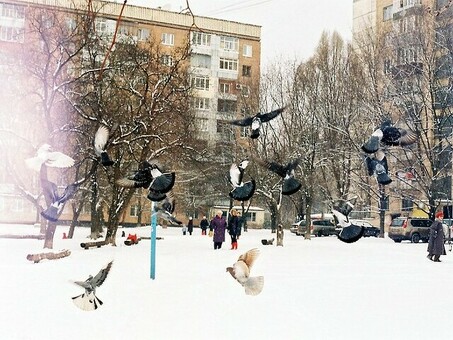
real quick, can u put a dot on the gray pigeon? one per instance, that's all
(88, 300)
(255, 121)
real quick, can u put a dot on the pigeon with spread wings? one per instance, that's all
(290, 185)
(389, 135)
(88, 300)
(54, 200)
(165, 208)
(151, 177)
(241, 191)
(240, 271)
(255, 121)
(46, 156)
(100, 141)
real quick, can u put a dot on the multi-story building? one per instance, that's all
(417, 66)
(224, 68)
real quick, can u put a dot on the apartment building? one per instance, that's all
(224, 68)
(406, 65)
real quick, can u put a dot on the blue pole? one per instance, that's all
(153, 242)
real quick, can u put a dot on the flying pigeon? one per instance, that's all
(377, 166)
(241, 272)
(55, 200)
(255, 121)
(290, 185)
(100, 141)
(151, 177)
(88, 300)
(46, 156)
(389, 135)
(349, 232)
(165, 209)
(241, 191)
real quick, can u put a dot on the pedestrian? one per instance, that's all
(184, 229)
(190, 225)
(233, 226)
(436, 246)
(204, 224)
(280, 235)
(211, 228)
(218, 224)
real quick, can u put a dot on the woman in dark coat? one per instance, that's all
(436, 241)
(204, 224)
(190, 226)
(218, 224)
(233, 228)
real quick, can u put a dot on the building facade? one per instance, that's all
(224, 70)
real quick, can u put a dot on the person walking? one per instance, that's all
(204, 224)
(233, 228)
(436, 246)
(218, 225)
(190, 225)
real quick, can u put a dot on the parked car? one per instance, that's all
(319, 227)
(370, 230)
(412, 229)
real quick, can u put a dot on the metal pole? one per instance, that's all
(153, 242)
(382, 210)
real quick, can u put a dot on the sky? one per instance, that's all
(317, 289)
(290, 28)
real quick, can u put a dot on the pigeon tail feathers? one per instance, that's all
(87, 302)
(163, 183)
(290, 186)
(351, 233)
(244, 192)
(254, 285)
(51, 213)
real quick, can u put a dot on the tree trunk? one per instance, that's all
(381, 210)
(96, 244)
(48, 241)
(20, 237)
(48, 256)
(308, 202)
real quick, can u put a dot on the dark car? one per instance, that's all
(411, 229)
(370, 230)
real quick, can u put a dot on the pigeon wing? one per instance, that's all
(235, 175)
(100, 139)
(249, 257)
(58, 159)
(265, 117)
(407, 137)
(241, 122)
(101, 276)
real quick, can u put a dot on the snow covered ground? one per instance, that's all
(318, 289)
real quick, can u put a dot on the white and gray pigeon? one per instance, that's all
(349, 232)
(46, 156)
(240, 271)
(377, 166)
(389, 135)
(242, 191)
(100, 141)
(88, 301)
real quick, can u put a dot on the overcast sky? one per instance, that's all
(290, 28)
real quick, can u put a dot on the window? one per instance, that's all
(229, 43)
(225, 87)
(202, 124)
(224, 105)
(168, 39)
(17, 205)
(123, 30)
(407, 204)
(246, 71)
(142, 34)
(167, 60)
(200, 103)
(200, 83)
(251, 216)
(228, 64)
(247, 51)
(13, 11)
(202, 39)
(100, 26)
(12, 34)
(388, 12)
(134, 210)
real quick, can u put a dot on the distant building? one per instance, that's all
(224, 67)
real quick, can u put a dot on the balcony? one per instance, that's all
(401, 5)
